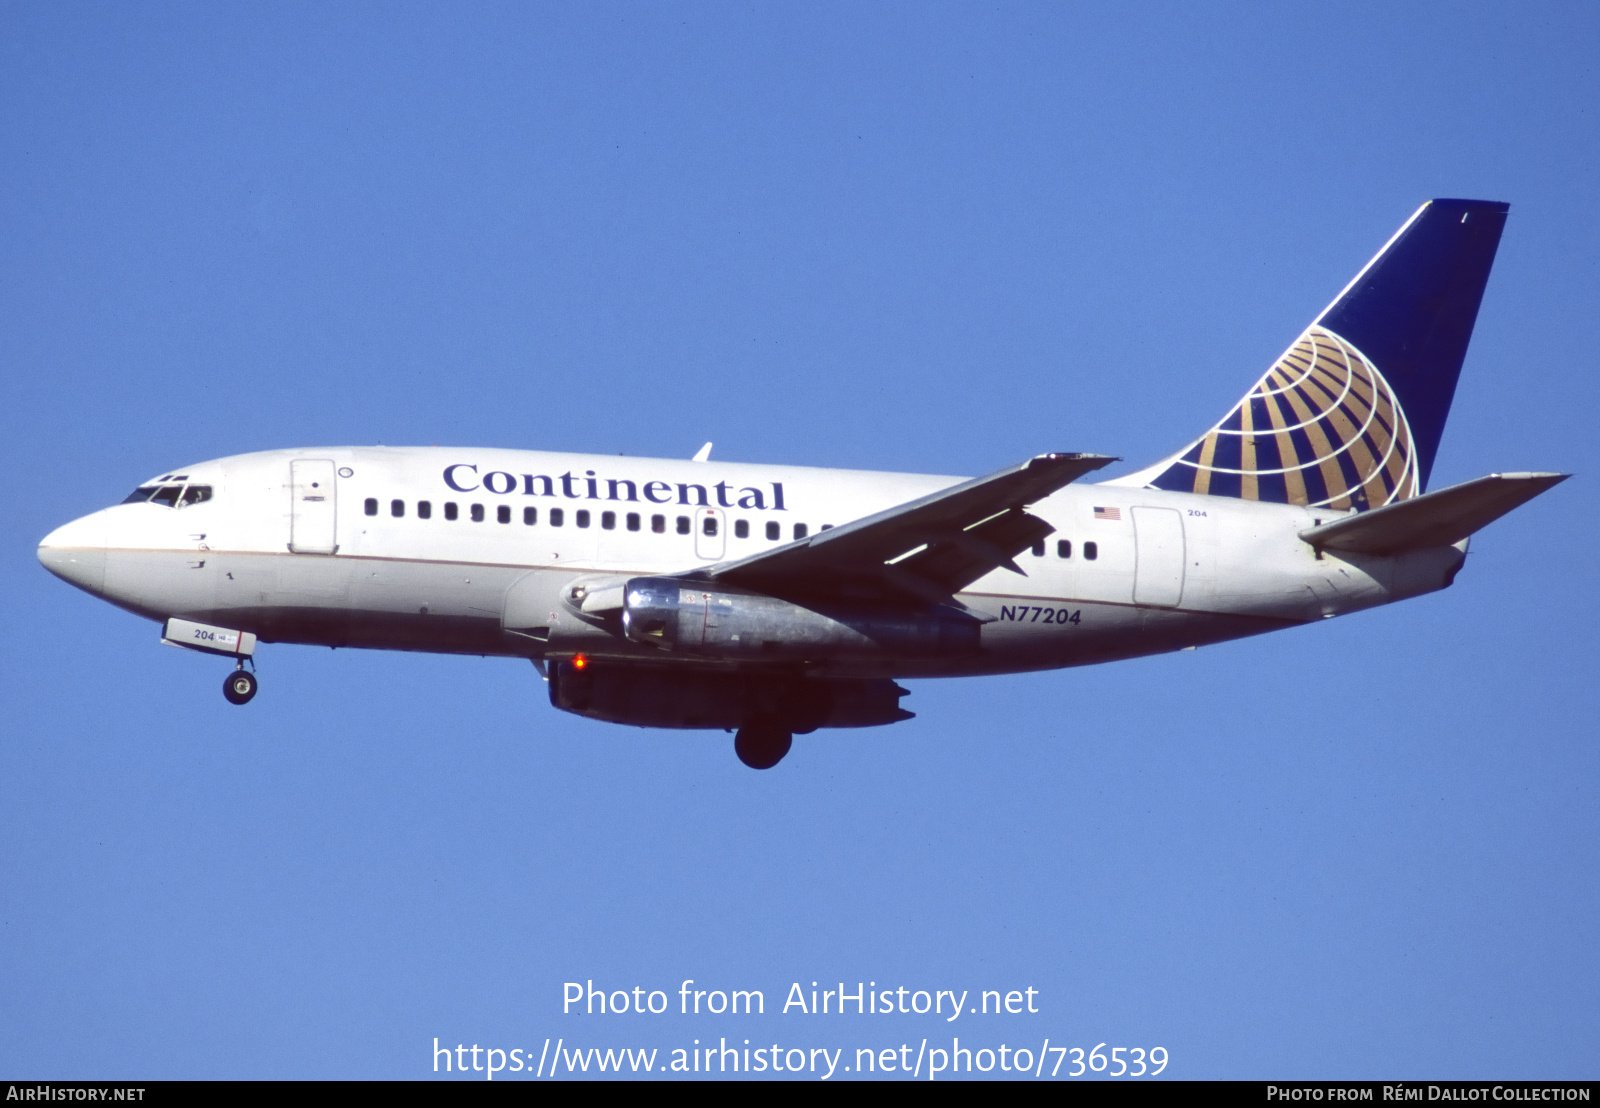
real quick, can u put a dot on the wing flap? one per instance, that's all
(1439, 518)
(955, 558)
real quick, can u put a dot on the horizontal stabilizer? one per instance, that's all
(1439, 518)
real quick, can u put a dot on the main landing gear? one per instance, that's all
(240, 687)
(761, 744)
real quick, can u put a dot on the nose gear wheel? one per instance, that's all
(240, 686)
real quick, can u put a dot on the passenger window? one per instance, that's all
(503, 513)
(800, 531)
(530, 516)
(581, 517)
(633, 521)
(741, 529)
(658, 524)
(773, 530)
(827, 527)
(195, 494)
(372, 505)
(140, 494)
(449, 509)
(397, 508)
(1064, 548)
(683, 525)
(424, 509)
(557, 517)
(1038, 549)
(1091, 551)
(708, 526)
(608, 521)
(477, 513)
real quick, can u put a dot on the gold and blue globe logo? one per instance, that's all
(1322, 428)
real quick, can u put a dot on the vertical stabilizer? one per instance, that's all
(1352, 414)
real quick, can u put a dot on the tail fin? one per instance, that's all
(1352, 414)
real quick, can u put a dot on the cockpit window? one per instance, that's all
(173, 496)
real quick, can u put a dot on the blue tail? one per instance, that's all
(1352, 414)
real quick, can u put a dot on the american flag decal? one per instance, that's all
(1108, 513)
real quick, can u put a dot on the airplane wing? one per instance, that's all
(922, 551)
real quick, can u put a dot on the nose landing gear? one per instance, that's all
(240, 687)
(761, 744)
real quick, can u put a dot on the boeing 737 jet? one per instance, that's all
(775, 600)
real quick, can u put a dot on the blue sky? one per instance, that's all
(916, 237)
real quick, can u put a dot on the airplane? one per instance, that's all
(774, 600)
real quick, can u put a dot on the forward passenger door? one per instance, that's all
(313, 507)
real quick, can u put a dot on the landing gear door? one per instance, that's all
(709, 539)
(313, 507)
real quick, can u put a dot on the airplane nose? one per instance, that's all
(76, 553)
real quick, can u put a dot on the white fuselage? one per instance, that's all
(1128, 571)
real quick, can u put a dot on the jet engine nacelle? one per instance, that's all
(683, 697)
(685, 618)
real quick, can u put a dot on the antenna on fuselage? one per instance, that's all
(703, 454)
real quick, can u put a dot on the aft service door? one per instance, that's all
(1158, 557)
(709, 539)
(313, 507)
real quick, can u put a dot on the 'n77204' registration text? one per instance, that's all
(1026, 613)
